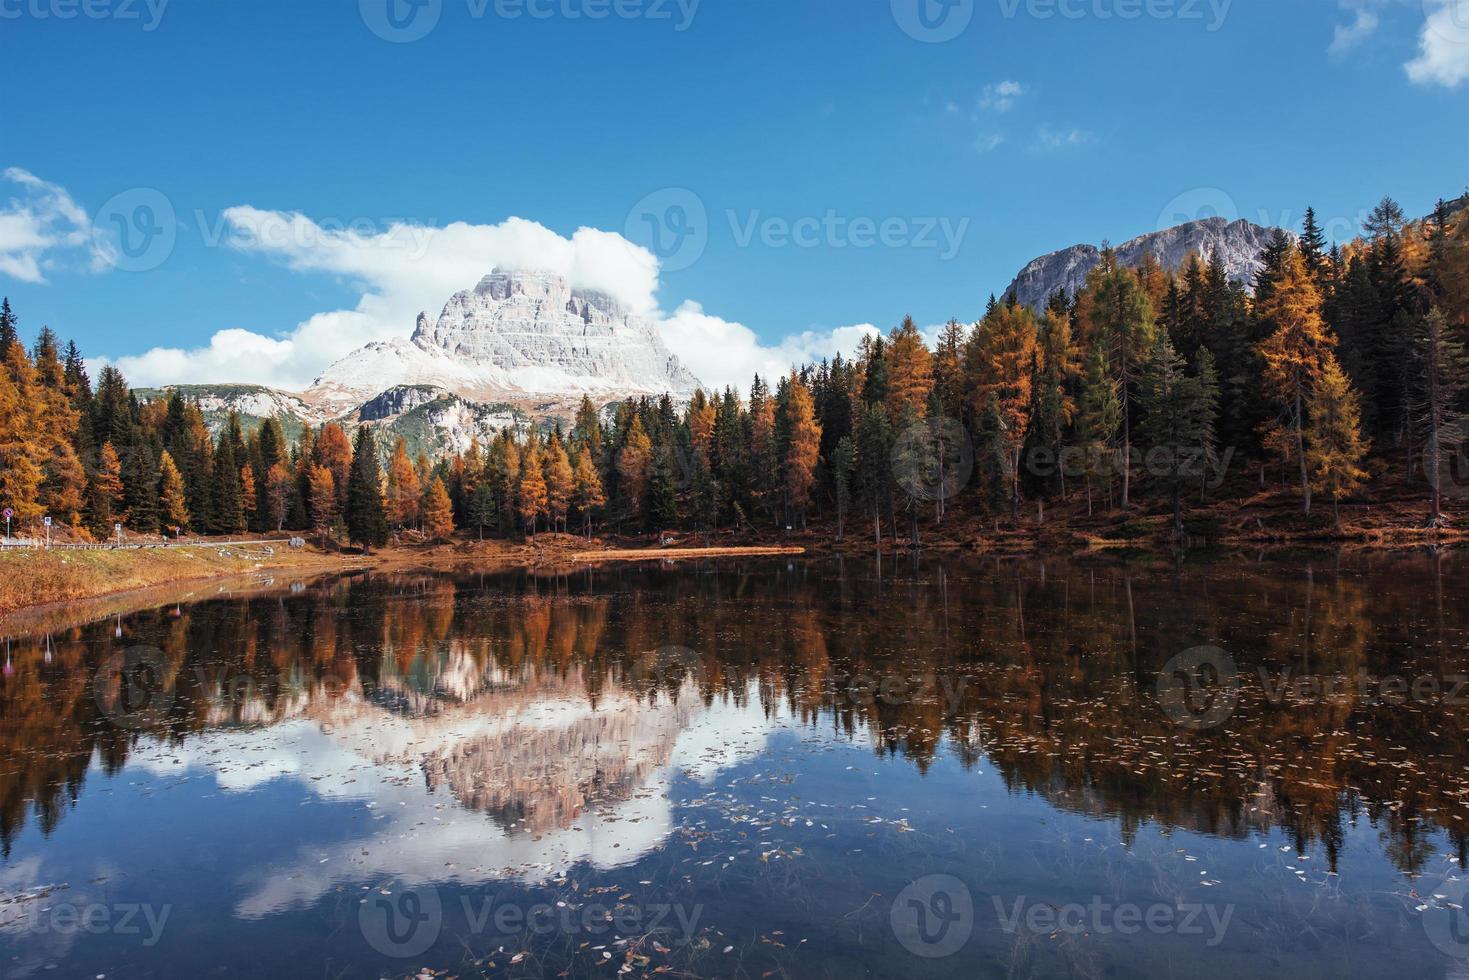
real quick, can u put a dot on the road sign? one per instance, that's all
(46, 521)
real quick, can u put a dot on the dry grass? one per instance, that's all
(38, 578)
(663, 554)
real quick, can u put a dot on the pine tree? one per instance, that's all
(531, 495)
(278, 487)
(560, 482)
(1208, 390)
(323, 490)
(105, 495)
(1174, 415)
(1098, 420)
(333, 450)
(438, 513)
(367, 524)
(1337, 448)
(1295, 354)
(228, 505)
(633, 464)
(1000, 360)
(803, 448)
(1443, 376)
(404, 491)
(874, 454)
(843, 465)
(483, 510)
(1123, 317)
(948, 370)
(8, 332)
(1312, 246)
(173, 500)
(589, 494)
(910, 370)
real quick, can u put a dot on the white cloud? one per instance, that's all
(1364, 24)
(724, 353)
(402, 271)
(1001, 96)
(1443, 45)
(40, 220)
(988, 142)
(406, 269)
(1049, 138)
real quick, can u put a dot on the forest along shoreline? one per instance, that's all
(38, 583)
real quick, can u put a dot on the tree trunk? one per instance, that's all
(1301, 451)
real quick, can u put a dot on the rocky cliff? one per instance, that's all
(1238, 242)
(518, 338)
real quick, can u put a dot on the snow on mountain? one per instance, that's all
(517, 337)
(1239, 243)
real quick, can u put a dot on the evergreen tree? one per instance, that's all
(483, 509)
(874, 454)
(367, 524)
(404, 491)
(1000, 361)
(1124, 319)
(9, 334)
(531, 495)
(589, 494)
(843, 465)
(323, 505)
(173, 500)
(105, 494)
(1312, 246)
(228, 504)
(1294, 354)
(802, 449)
(560, 482)
(1442, 372)
(910, 370)
(1337, 448)
(438, 512)
(1098, 420)
(1175, 412)
(633, 465)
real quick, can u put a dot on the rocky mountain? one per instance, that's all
(1239, 242)
(523, 338)
(520, 349)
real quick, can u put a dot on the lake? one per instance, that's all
(943, 767)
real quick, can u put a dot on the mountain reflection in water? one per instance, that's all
(516, 727)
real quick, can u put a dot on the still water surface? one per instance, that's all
(749, 769)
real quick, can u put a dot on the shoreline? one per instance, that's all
(48, 587)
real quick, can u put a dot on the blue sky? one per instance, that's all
(833, 169)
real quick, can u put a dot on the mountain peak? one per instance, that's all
(517, 336)
(1239, 243)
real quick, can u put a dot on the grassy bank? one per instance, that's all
(37, 578)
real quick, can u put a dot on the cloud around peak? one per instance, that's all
(406, 268)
